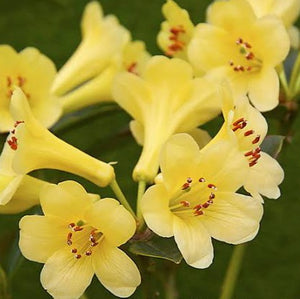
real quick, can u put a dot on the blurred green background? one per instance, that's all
(271, 267)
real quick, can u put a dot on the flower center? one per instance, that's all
(82, 239)
(176, 44)
(132, 68)
(193, 198)
(246, 60)
(239, 128)
(15, 81)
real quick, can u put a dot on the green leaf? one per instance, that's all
(164, 248)
(272, 145)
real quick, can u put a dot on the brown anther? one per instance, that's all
(238, 121)
(231, 63)
(74, 250)
(198, 213)
(210, 201)
(21, 81)
(202, 180)
(9, 81)
(77, 228)
(252, 163)
(69, 237)
(247, 133)
(197, 207)
(71, 225)
(212, 186)
(18, 122)
(177, 30)
(94, 244)
(77, 256)
(249, 68)
(189, 180)
(256, 139)
(212, 196)
(185, 186)
(249, 56)
(131, 68)
(13, 143)
(9, 93)
(88, 252)
(13, 131)
(239, 41)
(205, 205)
(241, 68)
(236, 69)
(92, 239)
(250, 153)
(185, 203)
(257, 150)
(247, 45)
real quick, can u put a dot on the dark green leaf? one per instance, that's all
(3, 285)
(272, 145)
(164, 248)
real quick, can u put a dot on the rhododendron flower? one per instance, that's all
(176, 32)
(34, 73)
(166, 99)
(248, 125)
(77, 238)
(238, 46)
(34, 147)
(196, 199)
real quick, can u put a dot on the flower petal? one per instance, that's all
(233, 217)
(264, 177)
(41, 236)
(64, 276)
(67, 200)
(115, 270)
(263, 89)
(155, 209)
(193, 242)
(112, 219)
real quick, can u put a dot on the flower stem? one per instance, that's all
(295, 75)
(141, 191)
(121, 197)
(233, 271)
(283, 80)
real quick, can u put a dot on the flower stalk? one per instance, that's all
(141, 191)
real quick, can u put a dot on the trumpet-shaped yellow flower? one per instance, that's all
(77, 238)
(166, 99)
(34, 73)
(249, 127)
(196, 199)
(87, 75)
(288, 11)
(237, 45)
(176, 32)
(34, 147)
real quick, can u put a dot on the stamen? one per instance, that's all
(202, 180)
(247, 133)
(69, 237)
(13, 143)
(132, 68)
(185, 203)
(18, 122)
(256, 139)
(212, 186)
(88, 252)
(9, 81)
(74, 250)
(77, 256)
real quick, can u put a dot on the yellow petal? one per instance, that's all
(233, 218)
(155, 209)
(67, 200)
(63, 276)
(294, 35)
(115, 270)
(193, 242)
(137, 131)
(37, 148)
(264, 177)
(263, 90)
(24, 196)
(41, 236)
(200, 136)
(228, 14)
(112, 219)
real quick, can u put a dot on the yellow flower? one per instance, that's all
(288, 11)
(34, 73)
(77, 238)
(166, 99)
(243, 48)
(176, 32)
(249, 127)
(34, 147)
(196, 199)
(88, 73)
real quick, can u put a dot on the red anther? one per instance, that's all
(177, 30)
(197, 207)
(238, 121)
(185, 203)
(9, 81)
(250, 56)
(249, 68)
(257, 150)
(212, 186)
(18, 122)
(94, 244)
(74, 250)
(247, 45)
(69, 237)
(69, 242)
(21, 81)
(201, 180)
(205, 205)
(257, 156)
(88, 252)
(71, 225)
(252, 163)
(242, 68)
(256, 139)
(236, 69)
(231, 63)
(243, 125)
(248, 154)
(131, 68)
(13, 143)
(78, 256)
(212, 196)
(13, 131)
(185, 186)
(198, 213)
(92, 239)
(247, 133)
(210, 201)
(239, 41)
(77, 228)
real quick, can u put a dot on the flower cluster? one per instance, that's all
(199, 187)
